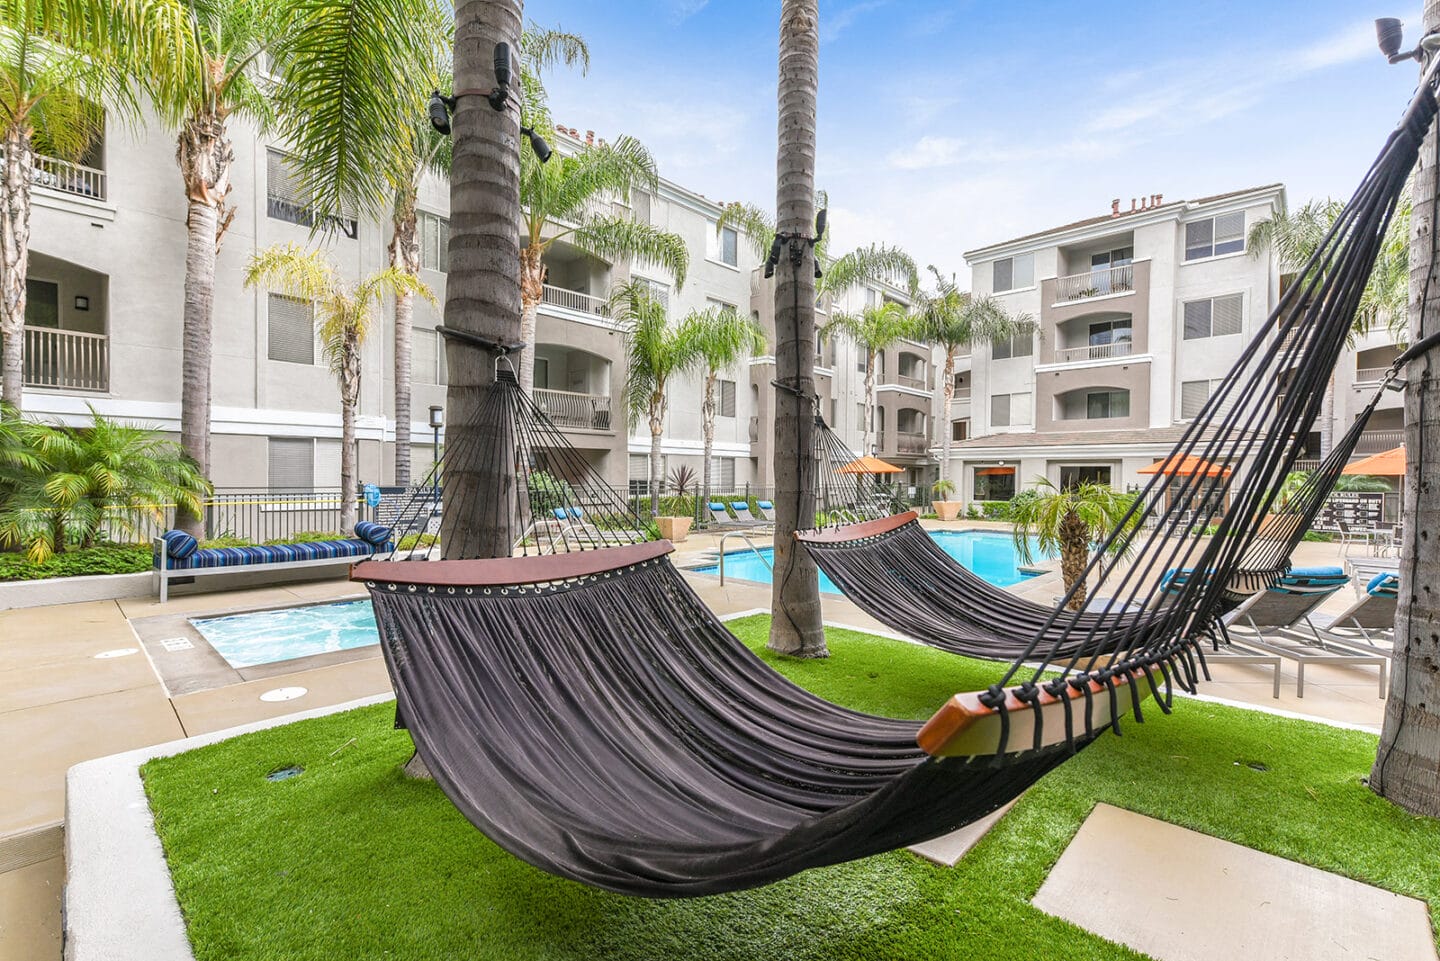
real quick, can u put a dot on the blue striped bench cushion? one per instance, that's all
(275, 554)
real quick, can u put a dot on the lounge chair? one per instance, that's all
(1266, 623)
(1368, 625)
(743, 520)
(767, 510)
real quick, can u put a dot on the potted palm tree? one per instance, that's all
(945, 508)
(1067, 521)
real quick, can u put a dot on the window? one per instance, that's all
(424, 364)
(1009, 410)
(1077, 474)
(727, 398)
(1193, 396)
(872, 297)
(1214, 236)
(994, 483)
(640, 474)
(434, 233)
(859, 360)
(724, 480)
(292, 463)
(287, 200)
(960, 430)
(1104, 404)
(859, 415)
(728, 239)
(657, 291)
(42, 304)
(1214, 317)
(1021, 345)
(1103, 333)
(1014, 273)
(640, 207)
(291, 324)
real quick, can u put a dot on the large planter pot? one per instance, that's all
(674, 529)
(947, 510)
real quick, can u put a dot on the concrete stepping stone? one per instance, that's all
(948, 849)
(1178, 895)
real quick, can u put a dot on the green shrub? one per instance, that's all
(972, 511)
(995, 510)
(678, 505)
(1322, 536)
(548, 492)
(411, 541)
(226, 540)
(306, 537)
(104, 559)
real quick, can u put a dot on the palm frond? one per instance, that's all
(872, 264)
(617, 238)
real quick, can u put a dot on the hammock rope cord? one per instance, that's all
(586, 711)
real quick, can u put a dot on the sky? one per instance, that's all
(949, 126)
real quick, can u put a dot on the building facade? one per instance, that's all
(1139, 314)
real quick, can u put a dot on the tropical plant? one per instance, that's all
(874, 330)
(1361, 483)
(682, 481)
(562, 200)
(1294, 237)
(344, 313)
(548, 492)
(215, 82)
(796, 628)
(952, 320)
(1068, 521)
(71, 486)
(942, 488)
(63, 64)
(655, 353)
(723, 339)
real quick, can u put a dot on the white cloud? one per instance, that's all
(1355, 42)
(682, 10)
(832, 25)
(927, 152)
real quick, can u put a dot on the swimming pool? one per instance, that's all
(262, 637)
(991, 554)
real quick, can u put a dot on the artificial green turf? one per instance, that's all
(352, 860)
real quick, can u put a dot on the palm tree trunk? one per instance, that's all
(1407, 765)
(1074, 553)
(657, 462)
(404, 255)
(482, 290)
(795, 624)
(707, 421)
(1327, 418)
(14, 259)
(532, 292)
(869, 418)
(946, 431)
(204, 154)
(349, 402)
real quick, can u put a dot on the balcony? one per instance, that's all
(571, 411)
(66, 359)
(575, 300)
(1371, 375)
(1095, 283)
(1071, 355)
(909, 442)
(62, 176)
(961, 394)
(1379, 441)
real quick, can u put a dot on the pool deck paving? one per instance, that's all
(60, 705)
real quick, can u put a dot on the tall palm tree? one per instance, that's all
(723, 339)
(952, 320)
(1409, 752)
(795, 625)
(1293, 237)
(563, 196)
(874, 330)
(1068, 520)
(344, 314)
(655, 353)
(217, 83)
(63, 63)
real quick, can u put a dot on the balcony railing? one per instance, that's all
(574, 300)
(911, 380)
(65, 177)
(66, 359)
(1095, 283)
(576, 411)
(961, 393)
(1070, 355)
(1379, 441)
(1370, 375)
(911, 442)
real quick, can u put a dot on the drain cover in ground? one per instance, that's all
(1178, 895)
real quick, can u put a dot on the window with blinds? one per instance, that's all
(657, 291)
(1009, 410)
(1214, 317)
(434, 233)
(724, 474)
(291, 325)
(727, 398)
(1193, 395)
(327, 464)
(640, 474)
(640, 206)
(728, 246)
(286, 198)
(427, 357)
(1214, 236)
(1014, 273)
(1021, 345)
(292, 463)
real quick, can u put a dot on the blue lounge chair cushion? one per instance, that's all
(1313, 577)
(714, 506)
(1384, 584)
(740, 507)
(765, 505)
(276, 554)
(1316, 572)
(372, 533)
(179, 545)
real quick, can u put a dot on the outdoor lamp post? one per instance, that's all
(437, 421)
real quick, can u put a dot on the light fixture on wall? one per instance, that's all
(82, 303)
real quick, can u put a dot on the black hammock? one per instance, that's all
(588, 713)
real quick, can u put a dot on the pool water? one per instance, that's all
(990, 554)
(263, 637)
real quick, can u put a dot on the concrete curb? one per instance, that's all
(73, 590)
(120, 904)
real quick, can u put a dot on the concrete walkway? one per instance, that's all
(61, 704)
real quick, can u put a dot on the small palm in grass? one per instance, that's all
(1068, 521)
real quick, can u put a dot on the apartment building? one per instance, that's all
(1140, 311)
(106, 296)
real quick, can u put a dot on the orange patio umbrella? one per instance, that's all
(1389, 464)
(870, 465)
(1186, 466)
